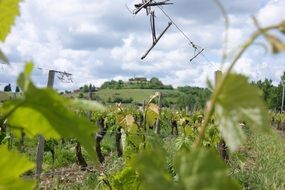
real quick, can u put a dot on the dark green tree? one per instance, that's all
(7, 88)
(17, 89)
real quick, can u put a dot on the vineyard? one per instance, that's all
(48, 141)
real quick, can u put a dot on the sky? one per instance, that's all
(99, 40)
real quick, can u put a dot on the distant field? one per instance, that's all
(4, 96)
(138, 95)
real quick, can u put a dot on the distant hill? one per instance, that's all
(193, 97)
(136, 83)
(137, 95)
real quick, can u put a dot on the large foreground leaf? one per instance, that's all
(87, 105)
(202, 169)
(13, 165)
(126, 179)
(239, 102)
(151, 165)
(9, 9)
(45, 112)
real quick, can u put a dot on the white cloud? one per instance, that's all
(101, 40)
(272, 13)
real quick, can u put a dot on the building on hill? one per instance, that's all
(138, 79)
(76, 91)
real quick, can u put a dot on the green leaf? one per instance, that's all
(43, 111)
(13, 165)
(128, 124)
(24, 77)
(126, 179)
(3, 58)
(203, 169)
(209, 84)
(152, 114)
(87, 105)
(239, 102)
(130, 120)
(152, 167)
(9, 9)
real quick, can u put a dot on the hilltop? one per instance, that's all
(194, 97)
(136, 83)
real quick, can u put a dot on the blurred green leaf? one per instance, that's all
(24, 77)
(130, 120)
(3, 58)
(152, 114)
(209, 84)
(152, 167)
(87, 105)
(13, 165)
(43, 111)
(239, 102)
(9, 9)
(126, 179)
(129, 125)
(203, 169)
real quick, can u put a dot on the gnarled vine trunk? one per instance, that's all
(118, 142)
(223, 150)
(174, 129)
(99, 137)
(80, 159)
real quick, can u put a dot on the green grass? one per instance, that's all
(4, 96)
(263, 162)
(138, 95)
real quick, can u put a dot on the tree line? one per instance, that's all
(272, 94)
(140, 83)
(8, 88)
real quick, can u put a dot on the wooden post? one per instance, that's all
(187, 109)
(157, 129)
(51, 75)
(90, 99)
(41, 139)
(90, 92)
(144, 124)
(144, 116)
(222, 147)
(218, 76)
(282, 105)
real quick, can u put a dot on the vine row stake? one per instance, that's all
(41, 140)
(157, 129)
(282, 105)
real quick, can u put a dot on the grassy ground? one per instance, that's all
(4, 96)
(261, 164)
(138, 95)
